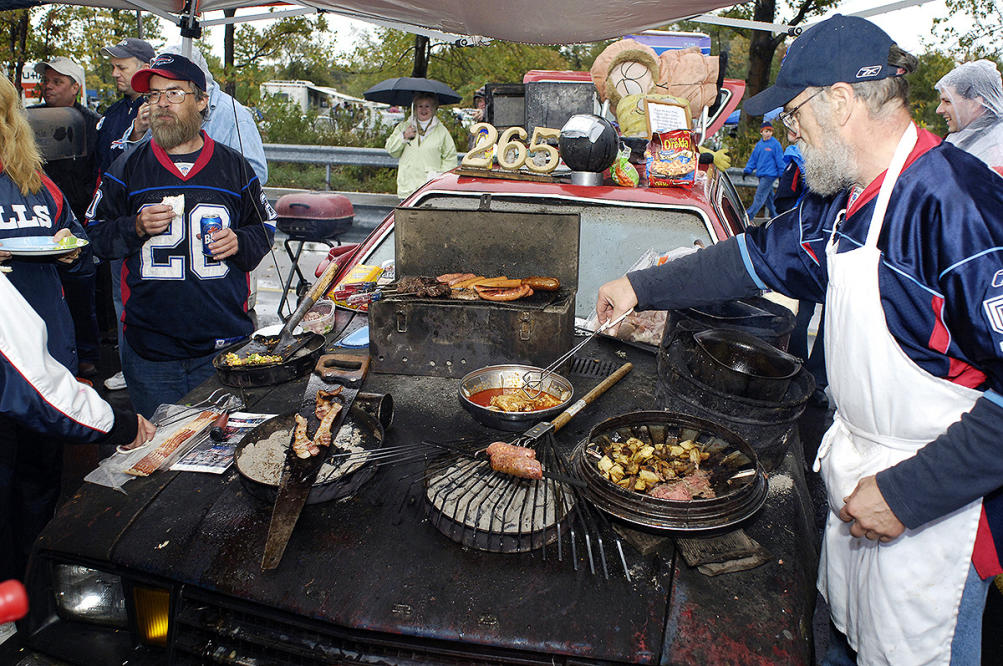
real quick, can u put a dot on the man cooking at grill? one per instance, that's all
(184, 300)
(902, 238)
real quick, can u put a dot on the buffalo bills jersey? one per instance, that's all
(37, 278)
(180, 304)
(941, 275)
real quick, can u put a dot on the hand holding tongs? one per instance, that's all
(533, 388)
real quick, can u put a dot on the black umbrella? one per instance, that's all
(400, 91)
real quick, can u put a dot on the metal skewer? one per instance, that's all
(533, 388)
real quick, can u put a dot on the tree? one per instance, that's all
(982, 40)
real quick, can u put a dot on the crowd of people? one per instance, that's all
(175, 148)
(896, 232)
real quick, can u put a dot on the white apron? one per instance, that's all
(897, 602)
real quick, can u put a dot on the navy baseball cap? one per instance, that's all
(169, 66)
(130, 47)
(839, 49)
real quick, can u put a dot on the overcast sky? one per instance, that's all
(910, 27)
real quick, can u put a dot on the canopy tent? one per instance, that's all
(530, 21)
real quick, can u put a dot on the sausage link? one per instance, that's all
(492, 294)
(506, 449)
(542, 283)
(524, 468)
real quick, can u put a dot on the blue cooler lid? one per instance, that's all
(356, 339)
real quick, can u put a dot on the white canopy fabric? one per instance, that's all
(529, 21)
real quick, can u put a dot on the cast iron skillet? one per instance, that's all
(245, 376)
(372, 438)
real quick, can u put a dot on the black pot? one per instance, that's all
(767, 425)
(737, 500)
(756, 315)
(741, 364)
(372, 438)
(251, 376)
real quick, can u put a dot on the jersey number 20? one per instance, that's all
(174, 267)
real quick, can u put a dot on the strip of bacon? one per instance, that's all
(152, 461)
(325, 401)
(323, 435)
(301, 443)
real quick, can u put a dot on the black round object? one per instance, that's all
(742, 364)
(251, 376)
(759, 316)
(588, 143)
(737, 499)
(767, 425)
(322, 491)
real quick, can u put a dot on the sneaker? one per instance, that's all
(116, 382)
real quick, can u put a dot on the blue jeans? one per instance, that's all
(764, 195)
(152, 383)
(116, 297)
(966, 647)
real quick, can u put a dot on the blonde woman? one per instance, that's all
(423, 145)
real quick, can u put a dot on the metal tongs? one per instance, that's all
(533, 388)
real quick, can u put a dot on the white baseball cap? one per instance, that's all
(64, 66)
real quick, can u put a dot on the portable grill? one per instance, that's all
(474, 505)
(310, 217)
(444, 337)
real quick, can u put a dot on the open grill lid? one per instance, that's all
(432, 241)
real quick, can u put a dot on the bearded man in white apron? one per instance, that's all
(902, 238)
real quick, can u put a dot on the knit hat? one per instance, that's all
(766, 125)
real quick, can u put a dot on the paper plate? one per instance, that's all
(355, 340)
(40, 246)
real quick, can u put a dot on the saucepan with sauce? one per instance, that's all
(494, 396)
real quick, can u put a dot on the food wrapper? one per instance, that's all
(623, 172)
(672, 159)
(177, 204)
(644, 327)
(360, 273)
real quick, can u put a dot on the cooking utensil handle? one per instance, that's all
(346, 368)
(311, 297)
(589, 397)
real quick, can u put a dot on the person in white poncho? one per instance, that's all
(971, 101)
(423, 145)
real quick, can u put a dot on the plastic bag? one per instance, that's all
(623, 172)
(111, 471)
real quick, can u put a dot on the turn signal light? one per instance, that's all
(153, 606)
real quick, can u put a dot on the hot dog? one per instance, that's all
(522, 467)
(505, 449)
(542, 283)
(460, 277)
(494, 294)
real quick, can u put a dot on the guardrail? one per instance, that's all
(377, 157)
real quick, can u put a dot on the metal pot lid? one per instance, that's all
(746, 354)
(735, 499)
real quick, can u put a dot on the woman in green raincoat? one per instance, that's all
(423, 145)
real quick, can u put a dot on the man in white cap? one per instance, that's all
(76, 177)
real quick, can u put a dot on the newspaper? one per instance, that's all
(215, 457)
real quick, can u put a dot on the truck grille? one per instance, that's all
(212, 630)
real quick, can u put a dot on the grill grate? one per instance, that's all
(591, 367)
(209, 629)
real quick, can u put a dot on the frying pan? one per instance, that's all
(323, 491)
(248, 376)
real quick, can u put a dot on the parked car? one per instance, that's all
(170, 571)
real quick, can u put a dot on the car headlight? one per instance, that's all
(90, 595)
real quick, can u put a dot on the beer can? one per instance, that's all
(210, 225)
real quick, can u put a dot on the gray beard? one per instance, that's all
(829, 168)
(171, 132)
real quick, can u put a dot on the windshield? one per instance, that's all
(613, 237)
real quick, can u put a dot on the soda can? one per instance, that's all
(210, 225)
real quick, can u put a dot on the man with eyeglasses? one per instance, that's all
(901, 236)
(181, 306)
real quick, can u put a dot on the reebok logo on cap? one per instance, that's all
(868, 72)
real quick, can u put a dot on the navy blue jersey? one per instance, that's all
(112, 126)
(941, 276)
(37, 278)
(180, 304)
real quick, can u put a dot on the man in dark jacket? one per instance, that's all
(767, 160)
(76, 177)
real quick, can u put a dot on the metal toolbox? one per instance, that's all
(442, 337)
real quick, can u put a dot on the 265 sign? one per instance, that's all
(513, 154)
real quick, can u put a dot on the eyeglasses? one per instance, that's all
(174, 95)
(790, 118)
